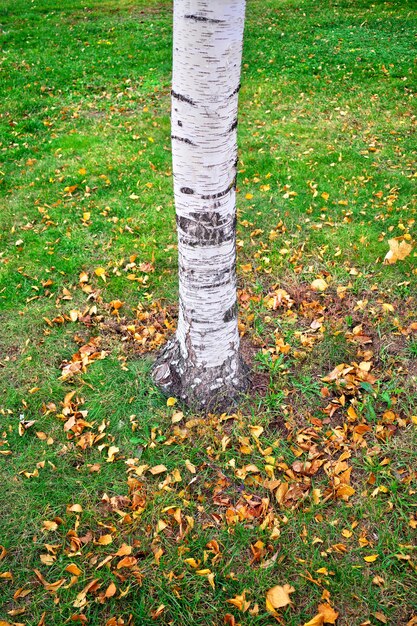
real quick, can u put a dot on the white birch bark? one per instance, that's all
(202, 363)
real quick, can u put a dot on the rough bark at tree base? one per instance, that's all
(204, 389)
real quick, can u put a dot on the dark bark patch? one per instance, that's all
(187, 191)
(233, 126)
(201, 18)
(183, 139)
(181, 98)
(231, 313)
(179, 123)
(221, 193)
(206, 229)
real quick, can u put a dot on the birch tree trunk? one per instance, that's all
(201, 365)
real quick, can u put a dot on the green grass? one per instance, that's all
(327, 177)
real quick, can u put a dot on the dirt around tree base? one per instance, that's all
(200, 388)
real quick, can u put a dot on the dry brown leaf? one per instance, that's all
(158, 612)
(81, 597)
(21, 593)
(79, 617)
(128, 561)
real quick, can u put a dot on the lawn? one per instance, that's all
(118, 506)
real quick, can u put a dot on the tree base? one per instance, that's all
(215, 389)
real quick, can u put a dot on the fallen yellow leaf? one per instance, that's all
(101, 273)
(240, 602)
(104, 540)
(112, 451)
(398, 251)
(319, 284)
(158, 469)
(256, 431)
(124, 550)
(190, 466)
(278, 597)
(74, 508)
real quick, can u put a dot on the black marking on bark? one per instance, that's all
(193, 243)
(221, 193)
(220, 280)
(205, 229)
(233, 126)
(187, 190)
(179, 123)
(231, 313)
(235, 91)
(236, 163)
(216, 285)
(200, 18)
(184, 139)
(182, 98)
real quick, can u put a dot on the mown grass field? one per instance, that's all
(116, 508)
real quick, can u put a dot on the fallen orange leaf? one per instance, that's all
(318, 620)
(329, 614)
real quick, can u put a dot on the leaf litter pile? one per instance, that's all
(244, 474)
(122, 507)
